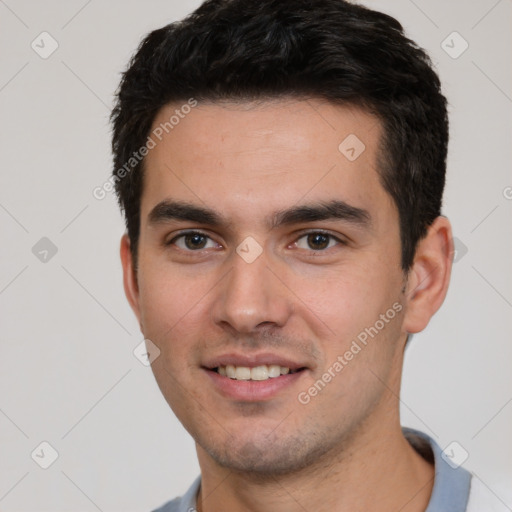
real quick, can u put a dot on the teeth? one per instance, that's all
(242, 373)
(230, 371)
(262, 372)
(259, 373)
(274, 370)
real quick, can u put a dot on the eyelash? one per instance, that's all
(301, 235)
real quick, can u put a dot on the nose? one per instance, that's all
(251, 297)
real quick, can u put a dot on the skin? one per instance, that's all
(247, 161)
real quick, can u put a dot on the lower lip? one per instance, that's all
(253, 390)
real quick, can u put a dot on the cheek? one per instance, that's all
(169, 301)
(358, 306)
(173, 308)
(358, 327)
(343, 300)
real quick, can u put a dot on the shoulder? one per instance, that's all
(187, 503)
(170, 506)
(483, 498)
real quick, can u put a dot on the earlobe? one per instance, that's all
(131, 287)
(429, 276)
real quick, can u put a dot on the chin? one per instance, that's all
(266, 457)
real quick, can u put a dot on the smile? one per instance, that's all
(262, 372)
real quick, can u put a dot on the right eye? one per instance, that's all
(193, 241)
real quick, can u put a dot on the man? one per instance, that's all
(281, 165)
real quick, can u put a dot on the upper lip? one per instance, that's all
(251, 361)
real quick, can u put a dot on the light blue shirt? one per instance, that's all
(449, 494)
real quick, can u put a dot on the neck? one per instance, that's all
(377, 470)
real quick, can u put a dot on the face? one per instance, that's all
(267, 249)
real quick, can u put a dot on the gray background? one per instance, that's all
(68, 375)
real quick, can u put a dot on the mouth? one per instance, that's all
(254, 377)
(255, 373)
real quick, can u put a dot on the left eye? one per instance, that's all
(317, 241)
(193, 241)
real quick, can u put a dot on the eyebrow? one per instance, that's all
(168, 210)
(329, 210)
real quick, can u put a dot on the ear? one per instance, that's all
(429, 277)
(131, 287)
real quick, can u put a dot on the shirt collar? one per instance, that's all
(452, 483)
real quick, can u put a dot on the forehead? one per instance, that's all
(253, 156)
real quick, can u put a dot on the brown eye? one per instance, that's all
(193, 241)
(318, 241)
